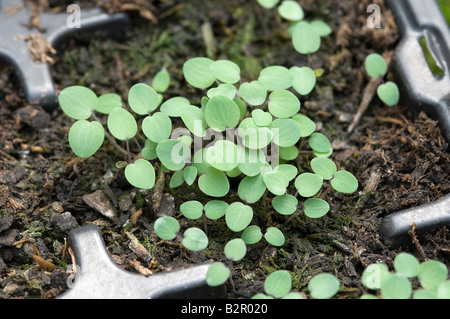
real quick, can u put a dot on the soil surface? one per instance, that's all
(399, 156)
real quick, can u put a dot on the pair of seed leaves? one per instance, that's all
(376, 66)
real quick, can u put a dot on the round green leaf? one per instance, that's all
(274, 236)
(85, 137)
(396, 287)
(157, 127)
(285, 204)
(424, 294)
(225, 89)
(278, 283)
(108, 102)
(197, 72)
(374, 275)
(140, 174)
(268, 4)
(195, 239)
(321, 28)
(122, 124)
(286, 132)
(192, 209)
(261, 118)
(319, 143)
(323, 286)
(254, 93)
(388, 93)
(78, 102)
(290, 171)
(143, 99)
(305, 38)
(251, 235)
(251, 188)
(432, 273)
(215, 209)
(375, 65)
(288, 153)
(217, 274)
(166, 227)
(443, 290)
(253, 136)
(235, 249)
(214, 183)
(222, 112)
(251, 162)
(291, 10)
(406, 264)
(308, 184)
(177, 179)
(149, 150)
(283, 104)
(190, 174)
(223, 155)
(275, 77)
(307, 126)
(161, 81)
(344, 182)
(316, 207)
(324, 167)
(304, 79)
(173, 154)
(174, 106)
(194, 119)
(276, 182)
(238, 216)
(225, 71)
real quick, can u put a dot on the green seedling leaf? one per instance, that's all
(223, 155)
(308, 184)
(288, 153)
(443, 290)
(326, 154)
(254, 136)
(197, 72)
(235, 172)
(276, 182)
(321, 28)
(406, 265)
(143, 99)
(396, 287)
(174, 106)
(140, 174)
(251, 162)
(149, 150)
(323, 167)
(225, 89)
(368, 296)
(432, 273)
(192, 209)
(254, 93)
(157, 127)
(388, 93)
(316, 207)
(225, 71)
(274, 236)
(161, 81)
(319, 143)
(294, 295)
(262, 296)
(290, 171)
(242, 107)
(108, 102)
(283, 104)
(215, 209)
(85, 137)
(251, 188)
(238, 216)
(235, 249)
(304, 79)
(278, 283)
(177, 179)
(122, 124)
(323, 286)
(275, 77)
(374, 275)
(190, 174)
(307, 126)
(424, 294)
(261, 118)
(291, 10)
(199, 161)
(375, 65)
(285, 204)
(214, 183)
(222, 112)
(268, 4)
(195, 239)
(78, 102)
(305, 38)
(344, 182)
(286, 132)
(217, 274)
(194, 119)
(166, 227)
(251, 235)
(173, 154)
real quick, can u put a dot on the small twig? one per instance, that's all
(412, 234)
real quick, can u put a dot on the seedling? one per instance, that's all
(376, 66)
